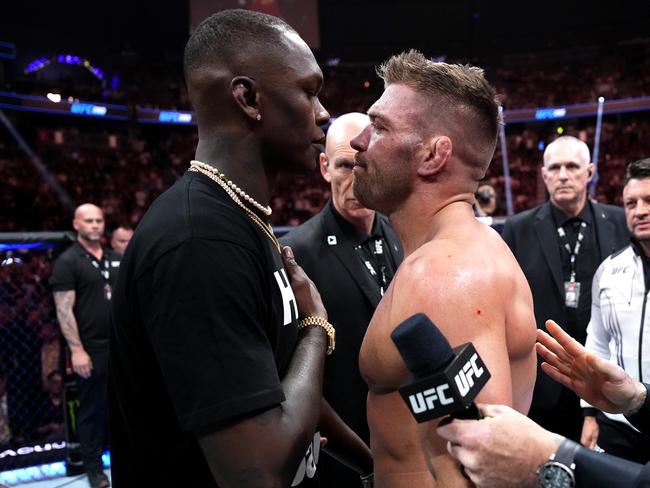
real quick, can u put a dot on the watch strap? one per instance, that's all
(566, 453)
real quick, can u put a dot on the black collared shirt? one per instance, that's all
(587, 260)
(372, 249)
(92, 280)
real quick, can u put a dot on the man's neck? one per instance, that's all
(240, 163)
(421, 220)
(93, 247)
(572, 209)
(362, 224)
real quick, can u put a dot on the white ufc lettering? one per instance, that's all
(426, 400)
(465, 377)
(289, 304)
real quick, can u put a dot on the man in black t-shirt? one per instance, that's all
(82, 282)
(218, 341)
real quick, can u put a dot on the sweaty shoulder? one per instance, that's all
(470, 267)
(472, 288)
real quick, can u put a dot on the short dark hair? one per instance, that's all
(229, 32)
(638, 170)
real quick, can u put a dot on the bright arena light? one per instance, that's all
(54, 97)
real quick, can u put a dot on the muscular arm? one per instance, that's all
(343, 444)
(265, 449)
(81, 362)
(478, 304)
(64, 301)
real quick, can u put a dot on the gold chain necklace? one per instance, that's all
(264, 226)
(241, 193)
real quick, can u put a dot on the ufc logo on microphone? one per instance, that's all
(426, 400)
(465, 377)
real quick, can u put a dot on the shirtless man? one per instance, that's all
(432, 135)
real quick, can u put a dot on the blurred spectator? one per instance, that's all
(5, 429)
(51, 350)
(50, 426)
(486, 200)
(120, 237)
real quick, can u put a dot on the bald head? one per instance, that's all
(89, 223)
(336, 168)
(342, 130)
(578, 150)
(566, 172)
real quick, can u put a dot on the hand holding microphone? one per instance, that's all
(446, 380)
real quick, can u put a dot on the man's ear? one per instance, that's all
(544, 174)
(439, 151)
(591, 169)
(324, 167)
(246, 95)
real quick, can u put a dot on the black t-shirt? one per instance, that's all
(205, 324)
(92, 280)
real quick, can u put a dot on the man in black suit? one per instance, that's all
(351, 253)
(559, 245)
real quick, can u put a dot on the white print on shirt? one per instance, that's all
(309, 461)
(288, 299)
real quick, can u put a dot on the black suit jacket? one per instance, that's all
(532, 237)
(350, 296)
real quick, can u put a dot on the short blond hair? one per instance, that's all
(460, 91)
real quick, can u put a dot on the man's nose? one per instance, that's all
(360, 141)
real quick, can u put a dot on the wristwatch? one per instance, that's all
(557, 472)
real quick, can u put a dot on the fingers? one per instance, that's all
(564, 366)
(554, 373)
(83, 370)
(490, 410)
(289, 259)
(554, 346)
(568, 343)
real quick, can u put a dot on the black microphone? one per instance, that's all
(446, 380)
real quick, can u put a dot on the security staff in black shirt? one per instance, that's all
(82, 282)
(559, 246)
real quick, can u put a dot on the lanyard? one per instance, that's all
(573, 253)
(102, 266)
(375, 257)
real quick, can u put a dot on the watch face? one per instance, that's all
(556, 475)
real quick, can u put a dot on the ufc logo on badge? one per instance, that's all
(289, 304)
(426, 400)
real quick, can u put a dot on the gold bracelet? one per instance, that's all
(321, 322)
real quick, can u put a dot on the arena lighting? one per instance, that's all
(550, 113)
(89, 109)
(26, 245)
(156, 116)
(69, 59)
(55, 97)
(42, 472)
(31, 103)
